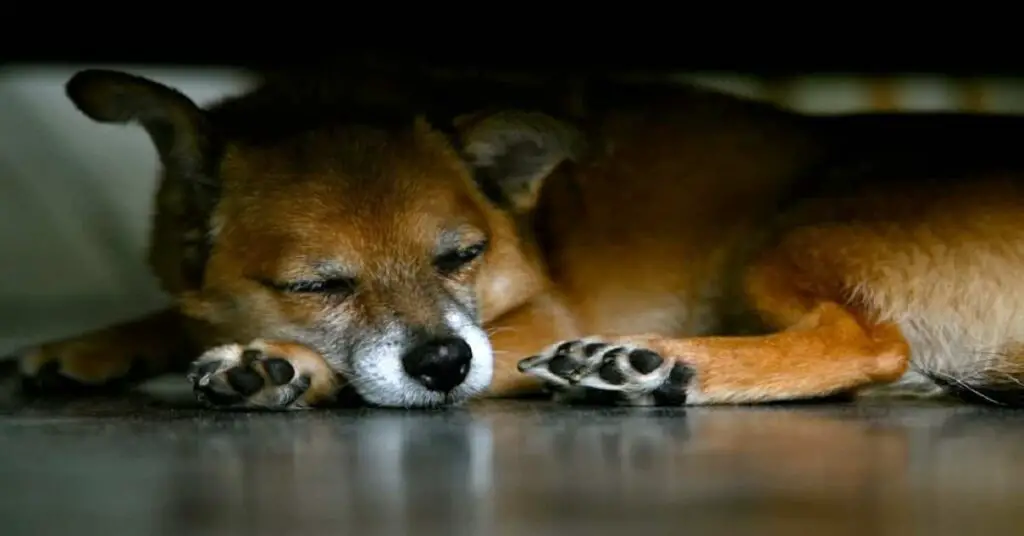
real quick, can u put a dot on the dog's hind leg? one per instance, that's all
(825, 345)
(116, 357)
(856, 301)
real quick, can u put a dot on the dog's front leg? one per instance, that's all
(829, 351)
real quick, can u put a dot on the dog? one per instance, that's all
(626, 244)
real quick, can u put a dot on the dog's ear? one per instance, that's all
(179, 129)
(175, 124)
(512, 152)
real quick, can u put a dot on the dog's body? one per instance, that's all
(666, 247)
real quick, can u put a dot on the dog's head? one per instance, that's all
(383, 247)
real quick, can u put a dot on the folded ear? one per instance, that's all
(513, 152)
(182, 137)
(175, 124)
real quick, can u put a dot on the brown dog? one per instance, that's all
(664, 247)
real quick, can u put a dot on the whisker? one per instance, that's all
(1010, 377)
(965, 386)
(499, 329)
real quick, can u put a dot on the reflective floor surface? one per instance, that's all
(157, 464)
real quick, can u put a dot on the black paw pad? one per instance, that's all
(561, 365)
(645, 361)
(611, 373)
(673, 391)
(279, 370)
(244, 381)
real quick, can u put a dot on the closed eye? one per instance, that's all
(452, 261)
(333, 286)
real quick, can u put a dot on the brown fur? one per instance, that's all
(775, 255)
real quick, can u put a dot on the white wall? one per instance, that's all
(74, 201)
(75, 195)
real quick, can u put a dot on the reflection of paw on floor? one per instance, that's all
(779, 460)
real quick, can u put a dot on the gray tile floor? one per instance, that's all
(154, 463)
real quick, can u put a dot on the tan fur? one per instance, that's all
(667, 222)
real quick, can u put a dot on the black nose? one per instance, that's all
(440, 364)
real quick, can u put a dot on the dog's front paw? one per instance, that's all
(612, 371)
(262, 374)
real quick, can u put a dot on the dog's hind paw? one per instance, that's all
(263, 374)
(110, 359)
